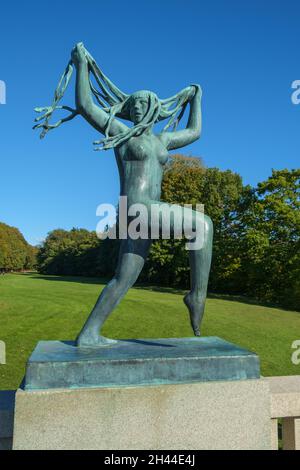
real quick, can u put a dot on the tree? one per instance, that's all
(15, 253)
(71, 252)
(271, 239)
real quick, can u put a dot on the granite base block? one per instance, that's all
(212, 415)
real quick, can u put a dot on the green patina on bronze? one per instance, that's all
(141, 155)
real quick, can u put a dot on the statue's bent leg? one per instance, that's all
(200, 261)
(200, 258)
(132, 257)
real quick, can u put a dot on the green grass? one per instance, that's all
(34, 308)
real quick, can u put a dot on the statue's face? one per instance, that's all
(138, 107)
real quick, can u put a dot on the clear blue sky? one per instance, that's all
(245, 55)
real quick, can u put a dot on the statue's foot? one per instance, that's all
(90, 340)
(195, 305)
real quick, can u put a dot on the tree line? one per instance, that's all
(15, 253)
(256, 250)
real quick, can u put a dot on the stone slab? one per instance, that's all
(212, 415)
(274, 434)
(285, 396)
(57, 364)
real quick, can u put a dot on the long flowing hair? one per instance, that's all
(115, 103)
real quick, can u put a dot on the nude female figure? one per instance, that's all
(141, 155)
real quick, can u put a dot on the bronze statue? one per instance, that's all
(141, 155)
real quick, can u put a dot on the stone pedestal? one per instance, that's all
(185, 393)
(211, 415)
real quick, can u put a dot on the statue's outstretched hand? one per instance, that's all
(78, 54)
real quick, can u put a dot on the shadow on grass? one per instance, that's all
(102, 280)
(79, 279)
(214, 295)
(162, 289)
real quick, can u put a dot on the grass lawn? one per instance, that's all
(34, 307)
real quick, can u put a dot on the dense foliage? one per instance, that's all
(77, 252)
(15, 253)
(68, 252)
(256, 236)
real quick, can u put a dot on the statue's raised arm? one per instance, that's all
(177, 139)
(98, 117)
